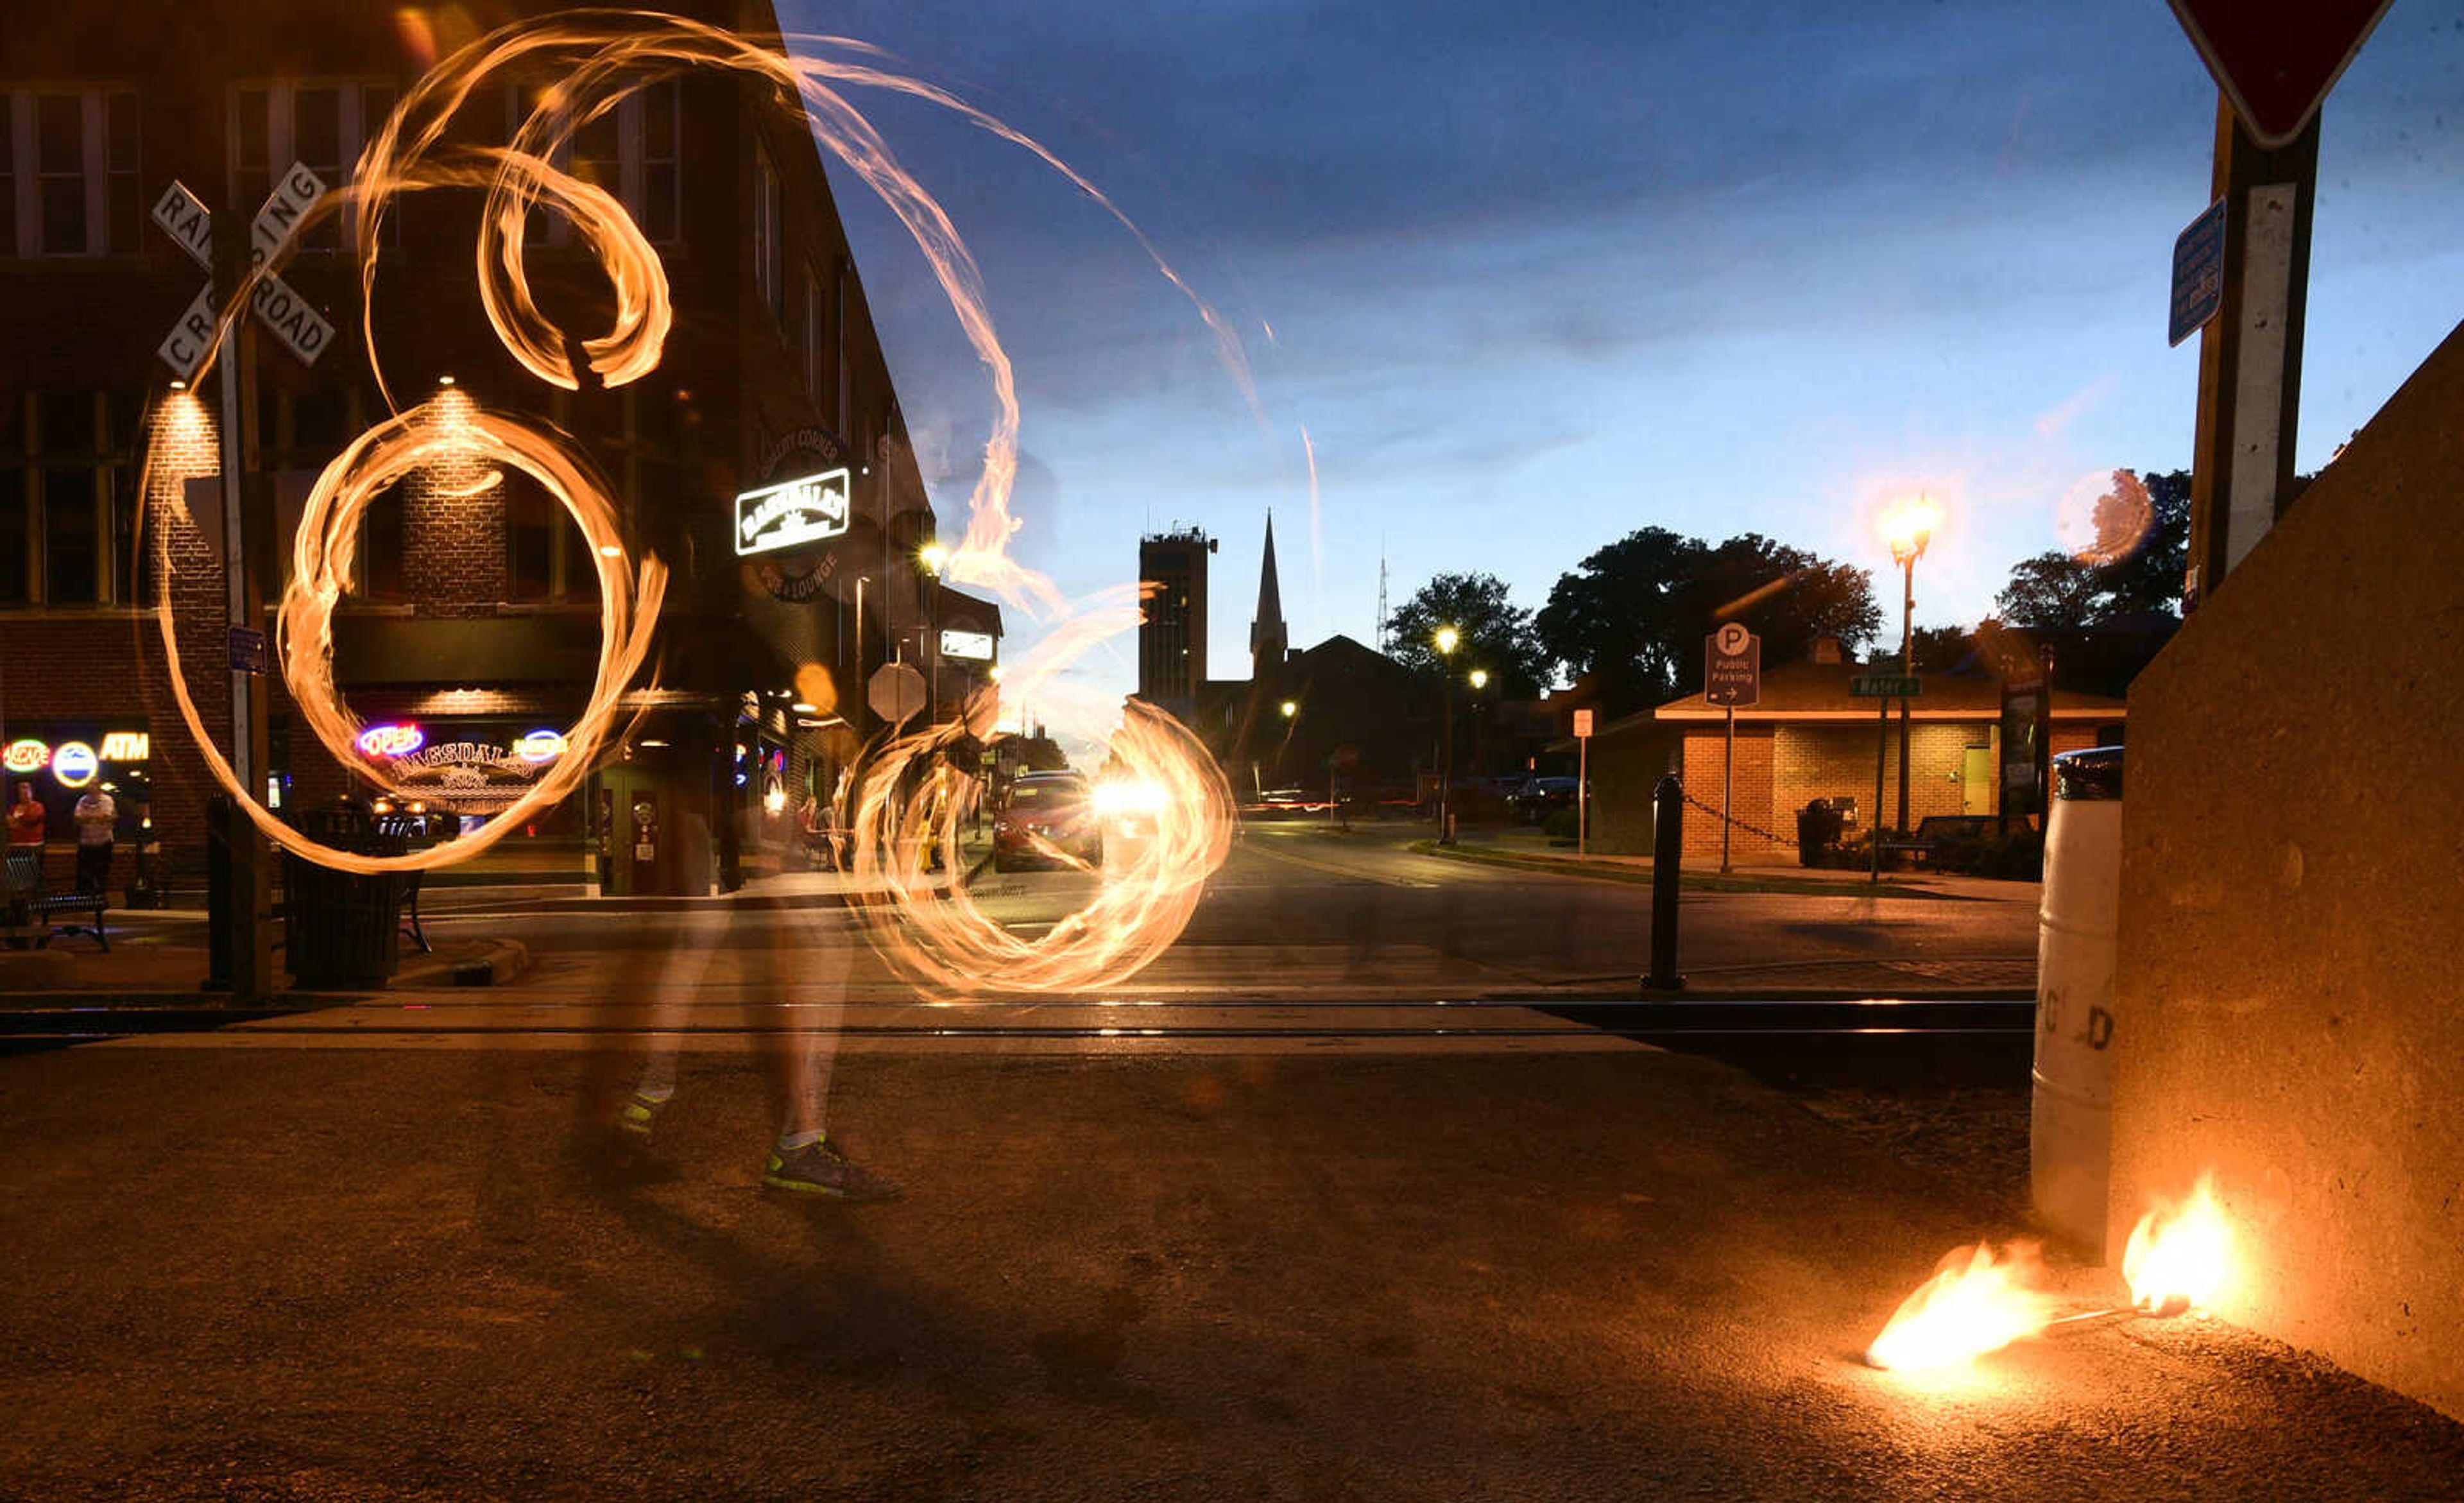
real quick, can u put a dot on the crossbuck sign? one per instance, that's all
(288, 316)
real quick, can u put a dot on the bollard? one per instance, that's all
(2071, 1112)
(1667, 847)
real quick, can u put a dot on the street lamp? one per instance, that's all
(933, 556)
(1907, 528)
(1445, 641)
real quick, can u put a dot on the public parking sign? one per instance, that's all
(1732, 668)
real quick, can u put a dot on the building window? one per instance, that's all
(68, 502)
(68, 172)
(769, 248)
(631, 151)
(814, 344)
(324, 125)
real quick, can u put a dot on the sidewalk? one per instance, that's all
(279, 1274)
(1528, 848)
(158, 959)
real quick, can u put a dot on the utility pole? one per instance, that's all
(2249, 354)
(248, 910)
(1908, 670)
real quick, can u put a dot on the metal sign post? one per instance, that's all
(1885, 688)
(303, 330)
(1732, 677)
(1582, 781)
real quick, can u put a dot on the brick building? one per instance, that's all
(1810, 739)
(473, 618)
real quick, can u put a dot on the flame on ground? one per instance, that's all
(2180, 1256)
(1974, 1303)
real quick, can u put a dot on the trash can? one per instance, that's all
(341, 930)
(1818, 830)
(2070, 1132)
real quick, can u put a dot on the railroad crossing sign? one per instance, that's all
(1883, 686)
(184, 218)
(1732, 668)
(896, 693)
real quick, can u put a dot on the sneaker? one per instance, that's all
(818, 1169)
(634, 1121)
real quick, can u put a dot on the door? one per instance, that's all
(1976, 780)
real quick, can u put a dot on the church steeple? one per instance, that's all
(1268, 642)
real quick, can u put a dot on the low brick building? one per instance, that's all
(1810, 739)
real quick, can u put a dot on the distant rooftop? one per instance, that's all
(1177, 533)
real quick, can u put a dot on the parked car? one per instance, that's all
(1541, 797)
(1048, 812)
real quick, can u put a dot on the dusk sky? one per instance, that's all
(1540, 275)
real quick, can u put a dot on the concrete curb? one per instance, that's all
(498, 961)
(1688, 881)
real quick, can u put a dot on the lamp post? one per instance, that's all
(1478, 681)
(1907, 527)
(1445, 642)
(933, 556)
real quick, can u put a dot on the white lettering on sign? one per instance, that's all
(184, 218)
(792, 512)
(285, 208)
(190, 338)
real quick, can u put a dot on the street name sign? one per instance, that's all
(288, 316)
(2276, 59)
(1883, 686)
(2198, 273)
(1732, 668)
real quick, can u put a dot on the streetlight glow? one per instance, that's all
(1909, 525)
(1291, 709)
(933, 556)
(1446, 640)
(1480, 678)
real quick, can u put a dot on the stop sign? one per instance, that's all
(896, 693)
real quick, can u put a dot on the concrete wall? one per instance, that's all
(2293, 905)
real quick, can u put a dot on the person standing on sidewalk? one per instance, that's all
(95, 814)
(26, 818)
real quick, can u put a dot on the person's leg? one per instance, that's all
(798, 1023)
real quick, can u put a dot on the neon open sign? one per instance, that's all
(392, 740)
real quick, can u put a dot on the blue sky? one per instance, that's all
(1540, 275)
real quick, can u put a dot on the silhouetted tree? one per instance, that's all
(1633, 616)
(1496, 633)
(2133, 567)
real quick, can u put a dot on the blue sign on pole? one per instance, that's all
(2198, 272)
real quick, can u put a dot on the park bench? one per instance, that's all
(30, 905)
(1936, 832)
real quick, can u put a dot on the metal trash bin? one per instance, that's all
(341, 930)
(1818, 829)
(2070, 1131)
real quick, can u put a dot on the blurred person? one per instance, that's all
(95, 814)
(26, 818)
(785, 972)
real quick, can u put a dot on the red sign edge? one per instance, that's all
(2240, 107)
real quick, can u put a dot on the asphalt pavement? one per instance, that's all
(260, 1273)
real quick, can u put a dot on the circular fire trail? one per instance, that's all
(909, 798)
